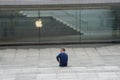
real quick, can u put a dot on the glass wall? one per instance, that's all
(84, 25)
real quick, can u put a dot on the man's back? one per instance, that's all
(63, 59)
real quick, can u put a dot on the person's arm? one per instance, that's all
(58, 58)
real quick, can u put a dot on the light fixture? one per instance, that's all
(38, 23)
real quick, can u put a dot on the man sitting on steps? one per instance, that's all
(62, 58)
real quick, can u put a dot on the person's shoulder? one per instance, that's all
(62, 53)
(65, 53)
(59, 53)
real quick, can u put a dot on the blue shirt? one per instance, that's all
(62, 58)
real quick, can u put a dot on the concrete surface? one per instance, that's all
(85, 63)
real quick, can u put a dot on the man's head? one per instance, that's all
(62, 50)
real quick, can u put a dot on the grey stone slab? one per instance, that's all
(66, 76)
(107, 75)
(87, 76)
(45, 69)
(9, 52)
(113, 50)
(27, 71)
(118, 74)
(31, 59)
(21, 53)
(25, 77)
(111, 59)
(54, 51)
(33, 52)
(1, 52)
(96, 68)
(46, 76)
(7, 77)
(45, 51)
(103, 51)
(80, 52)
(61, 70)
(47, 79)
(70, 51)
(37, 64)
(7, 59)
(112, 68)
(79, 69)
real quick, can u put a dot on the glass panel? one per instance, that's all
(96, 24)
(100, 25)
(19, 26)
(60, 25)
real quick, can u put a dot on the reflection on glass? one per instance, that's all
(60, 25)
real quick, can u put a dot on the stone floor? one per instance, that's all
(85, 63)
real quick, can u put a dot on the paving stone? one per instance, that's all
(94, 63)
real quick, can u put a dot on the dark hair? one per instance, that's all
(63, 49)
